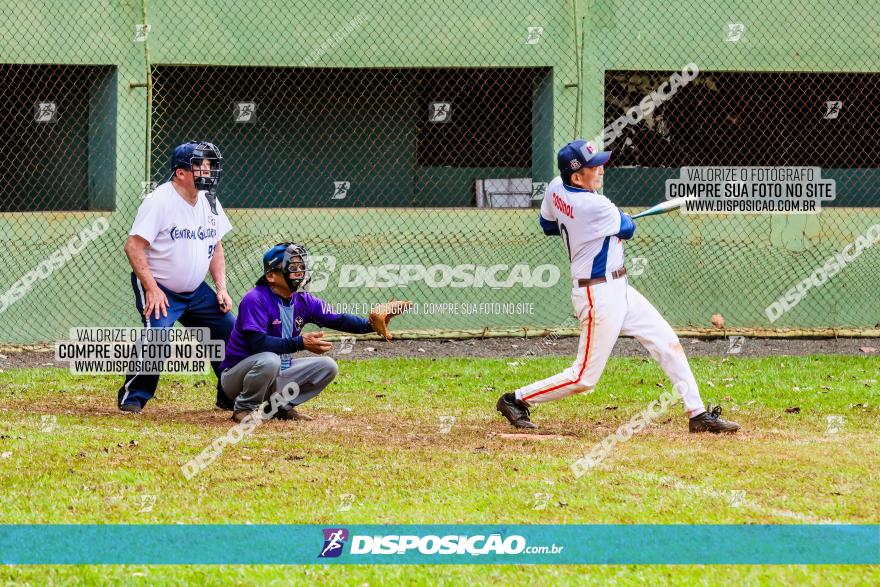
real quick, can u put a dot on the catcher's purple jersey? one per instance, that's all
(261, 310)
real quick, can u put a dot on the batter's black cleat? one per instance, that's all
(711, 421)
(516, 411)
(131, 408)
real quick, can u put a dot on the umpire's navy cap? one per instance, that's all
(182, 155)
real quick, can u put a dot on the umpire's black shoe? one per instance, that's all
(516, 411)
(131, 408)
(711, 421)
(223, 402)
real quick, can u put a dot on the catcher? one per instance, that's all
(267, 333)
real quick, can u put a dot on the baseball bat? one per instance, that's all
(661, 208)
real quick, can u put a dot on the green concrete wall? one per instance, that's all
(733, 265)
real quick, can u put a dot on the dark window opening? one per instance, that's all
(489, 118)
(57, 137)
(749, 119)
(345, 137)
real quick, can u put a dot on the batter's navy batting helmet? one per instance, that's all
(579, 154)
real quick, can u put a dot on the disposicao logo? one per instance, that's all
(334, 541)
(478, 545)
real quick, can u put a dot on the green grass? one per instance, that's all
(70, 457)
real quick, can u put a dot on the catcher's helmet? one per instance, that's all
(289, 259)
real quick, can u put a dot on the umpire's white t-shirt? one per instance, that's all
(182, 237)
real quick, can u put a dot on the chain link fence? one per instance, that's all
(780, 84)
(408, 147)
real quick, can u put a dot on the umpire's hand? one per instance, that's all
(156, 302)
(224, 301)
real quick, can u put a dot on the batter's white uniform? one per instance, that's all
(588, 224)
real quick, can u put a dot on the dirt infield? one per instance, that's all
(625, 347)
(15, 358)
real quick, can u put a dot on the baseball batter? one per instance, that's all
(593, 230)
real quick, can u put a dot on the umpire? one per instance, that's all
(174, 241)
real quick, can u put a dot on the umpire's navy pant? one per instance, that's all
(197, 309)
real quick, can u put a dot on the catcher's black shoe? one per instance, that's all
(711, 421)
(239, 415)
(292, 414)
(223, 402)
(516, 411)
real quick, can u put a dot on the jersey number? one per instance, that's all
(564, 232)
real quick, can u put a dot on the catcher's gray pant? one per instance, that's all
(253, 380)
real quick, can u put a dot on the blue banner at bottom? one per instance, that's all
(440, 544)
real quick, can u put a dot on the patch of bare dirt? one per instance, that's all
(27, 357)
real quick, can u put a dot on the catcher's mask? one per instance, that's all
(292, 260)
(192, 156)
